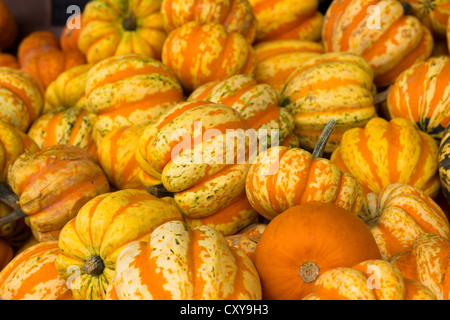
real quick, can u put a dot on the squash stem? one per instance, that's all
(12, 216)
(130, 23)
(8, 197)
(323, 139)
(381, 96)
(309, 271)
(159, 191)
(94, 266)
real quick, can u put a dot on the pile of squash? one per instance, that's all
(336, 185)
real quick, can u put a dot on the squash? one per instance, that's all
(398, 214)
(6, 253)
(389, 38)
(73, 126)
(68, 89)
(368, 280)
(35, 43)
(21, 98)
(116, 156)
(32, 275)
(332, 85)
(120, 27)
(448, 34)
(220, 56)
(287, 19)
(69, 36)
(93, 240)
(277, 59)
(305, 241)
(433, 14)
(8, 27)
(129, 90)
(9, 60)
(234, 15)
(427, 263)
(52, 184)
(444, 163)
(422, 94)
(178, 263)
(257, 103)
(386, 152)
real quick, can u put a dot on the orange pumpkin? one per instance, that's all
(69, 36)
(427, 262)
(35, 43)
(220, 56)
(8, 27)
(287, 19)
(6, 254)
(305, 241)
(32, 275)
(399, 41)
(9, 60)
(368, 280)
(235, 15)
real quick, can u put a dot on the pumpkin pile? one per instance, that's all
(227, 150)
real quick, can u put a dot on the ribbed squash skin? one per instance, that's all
(235, 15)
(368, 280)
(13, 143)
(433, 14)
(332, 85)
(68, 90)
(220, 56)
(422, 94)
(287, 19)
(178, 263)
(73, 126)
(390, 48)
(128, 90)
(103, 32)
(257, 103)
(283, 177)
(386, 152)
(427, 262)
(277, 59)
(53, 184)
(21, 98)
(398, 214)
(103, 227)
(32, 275)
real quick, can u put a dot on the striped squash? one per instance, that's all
(234, 15)
(277, 59)
(68, 89)
(390, 47)
(220, 56)
(129, 90)
(120, 27)
(13, 143)
(386, 152)
(93, 240)
(283, 177)
(332, 85)
(287, 19)
(21, 98)
(257, 103)
(368, 280)
(186, 150)
(72, 126)
(433, 14)
(422, 94)
(398, 214)
(427, 262)
(116, 156)
(444, 163)
(32, 275)
(178, 263)
(53, 184)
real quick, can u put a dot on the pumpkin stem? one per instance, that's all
(323, 139)
(12, 216)
(309, 271)
(381, 96)
(94, 266)
(8, 197)
(130, 23)
(159, 191)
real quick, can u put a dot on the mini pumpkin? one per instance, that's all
(433, 14)
(35, 43)
(386, 152)
(305, 241)
(8, 60)
(178, 263)
(71, 33)
(93, 240)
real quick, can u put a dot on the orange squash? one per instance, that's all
(34, 43)
(69, 36)
(32, 275)
(305, 241)
(433, 14)
(9, 60)
(220, 56)
(8, 27)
